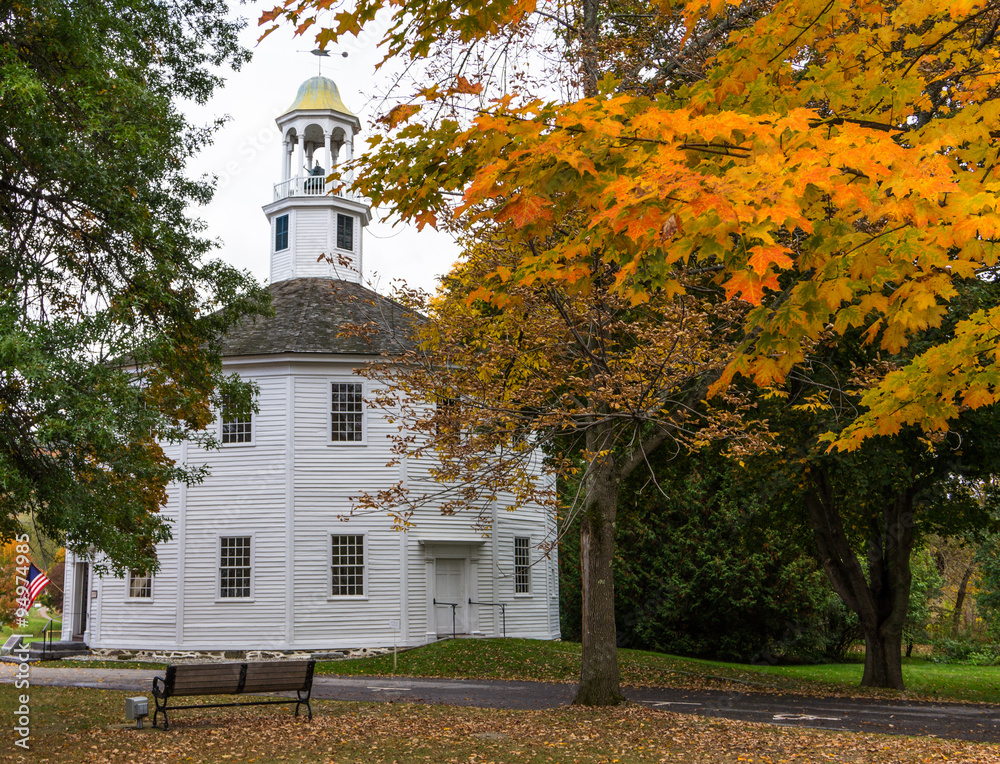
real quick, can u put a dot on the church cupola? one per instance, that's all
(316, 229)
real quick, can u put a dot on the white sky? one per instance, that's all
(247, 151)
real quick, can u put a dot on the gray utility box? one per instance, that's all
(136, 708)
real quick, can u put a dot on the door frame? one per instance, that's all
(468, 550)
(81, 601)
(462, 611)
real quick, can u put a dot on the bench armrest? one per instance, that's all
(159, 692)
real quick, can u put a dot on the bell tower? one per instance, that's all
(309, 218)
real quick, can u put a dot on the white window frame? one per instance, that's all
(244, 444)
(329, 413)
(128, 588)
(288, 233)
(330, 596)
(218, 565)
(336, 231)
(529, 592)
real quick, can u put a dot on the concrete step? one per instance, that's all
(55, 650)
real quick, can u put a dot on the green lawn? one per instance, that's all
(35, 625)
(922, 677)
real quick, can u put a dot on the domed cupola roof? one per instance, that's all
(319, 94)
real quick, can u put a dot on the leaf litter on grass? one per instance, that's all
(403, 733)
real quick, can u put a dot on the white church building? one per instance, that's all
(262, 557)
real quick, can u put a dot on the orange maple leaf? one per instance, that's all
(525, 209)
(763, 255)
(746, 284)
(399, 114)
(462, 85)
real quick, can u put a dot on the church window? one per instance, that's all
(522, 580)
(348, 415)
(234, 567)
(345, 232)
(281, 233)
(237, 427)
(347, 566)
(140, 587)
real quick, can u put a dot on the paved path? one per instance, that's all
(946, 720)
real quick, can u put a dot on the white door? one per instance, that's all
(449, 586)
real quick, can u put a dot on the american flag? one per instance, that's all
(36, 582)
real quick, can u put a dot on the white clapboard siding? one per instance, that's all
(312, 239)
(291, 489)
(245, 495)
(283, 261)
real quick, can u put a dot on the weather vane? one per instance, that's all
(320, 54)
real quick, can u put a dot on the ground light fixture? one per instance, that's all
(138, 709)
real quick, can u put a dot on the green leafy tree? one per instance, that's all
(988, 596)
(924, 589)
(706, 568)
(109, 311)
(870, 508)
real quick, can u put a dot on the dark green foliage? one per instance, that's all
(924, 589)
(988, 596)
(703, 570)
(102, 268)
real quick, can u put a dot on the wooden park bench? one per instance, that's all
(189, 679)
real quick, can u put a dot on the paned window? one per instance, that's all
(446, 424)
(522, 580)
(281, 233)
(140, 587)
(348, 566)
(345, 232)
(234, 567)
(347, 417)
(236, 427)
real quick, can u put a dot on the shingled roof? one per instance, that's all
(317, 315)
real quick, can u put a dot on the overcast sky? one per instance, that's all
(247, 152)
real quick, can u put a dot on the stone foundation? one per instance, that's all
(218, 656)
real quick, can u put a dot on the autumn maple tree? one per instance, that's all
(830, 164)
(508, 370)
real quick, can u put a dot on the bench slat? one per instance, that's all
(206, 679)
(277, 677)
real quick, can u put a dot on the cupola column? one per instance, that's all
(328, 151)
(286, 151)
(301, 156)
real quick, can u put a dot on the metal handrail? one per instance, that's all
(503, 612)
(454, 631)
(312, 185)
(46, 637)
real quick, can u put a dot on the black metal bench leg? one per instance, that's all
(302, 700)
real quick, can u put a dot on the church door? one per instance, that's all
(449, 586)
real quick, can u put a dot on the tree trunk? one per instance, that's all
(599, 678)
(883, 659)
(956, 616)
(881, 599)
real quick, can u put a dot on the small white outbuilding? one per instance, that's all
(262, 557)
